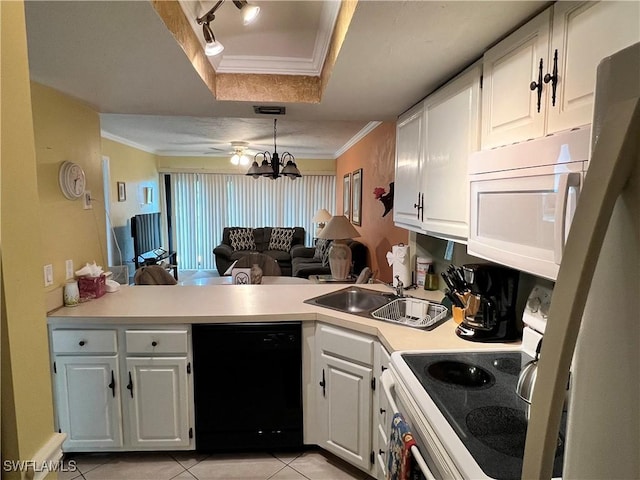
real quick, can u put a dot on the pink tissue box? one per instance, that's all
(91, 287)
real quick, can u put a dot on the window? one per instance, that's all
(203, 204)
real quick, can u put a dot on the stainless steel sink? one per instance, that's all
(354, 300)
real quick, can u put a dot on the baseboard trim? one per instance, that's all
(45, 460)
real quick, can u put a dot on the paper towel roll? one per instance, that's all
(399, 259)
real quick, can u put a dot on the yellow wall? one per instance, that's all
(27, 413)
(137, 169)
(223, 165)
(66, 129)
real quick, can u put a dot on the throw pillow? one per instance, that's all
(325, 255)
(242, 239)
(322, 246)
(281, 239)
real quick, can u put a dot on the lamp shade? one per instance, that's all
(338, 228)
(321, 216)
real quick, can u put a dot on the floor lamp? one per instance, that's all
(339, 229)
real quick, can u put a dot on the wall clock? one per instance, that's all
(72, 180)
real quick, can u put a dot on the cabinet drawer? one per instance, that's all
(345, 344)
(156, 341)
(84, 341)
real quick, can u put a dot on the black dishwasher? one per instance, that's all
(248, 386)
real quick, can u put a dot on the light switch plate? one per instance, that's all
(86, 200)
(68, 267)
(48, 275)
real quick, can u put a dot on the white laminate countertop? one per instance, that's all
(175, 304)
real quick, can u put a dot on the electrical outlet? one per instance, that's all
(86, 200)
(48, 275)
(68, 266)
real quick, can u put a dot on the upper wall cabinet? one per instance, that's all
(509, 107)
(409, 158)
(434, 140)
(541, 78)
(452, 133)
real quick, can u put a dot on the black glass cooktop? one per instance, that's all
(476, 393)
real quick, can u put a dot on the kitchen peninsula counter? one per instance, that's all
(159, 304)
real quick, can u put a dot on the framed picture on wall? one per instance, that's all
(356, 197)
(122, 192)
(346, 195)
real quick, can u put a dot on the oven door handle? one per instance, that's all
(389, 384)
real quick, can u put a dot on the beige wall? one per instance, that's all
(66, 129)
(375, 154)
(27, 412)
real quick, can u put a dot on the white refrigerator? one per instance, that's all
(593, 328)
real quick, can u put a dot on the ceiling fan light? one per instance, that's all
(235, 159)
(244, 160)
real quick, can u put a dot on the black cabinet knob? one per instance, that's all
(82, 343)
(154, 344)
(382, 410)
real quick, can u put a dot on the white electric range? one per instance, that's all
(462, 406)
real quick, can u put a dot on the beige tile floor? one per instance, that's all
(308, 465)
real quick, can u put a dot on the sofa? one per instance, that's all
(238, 242)
(314, 261)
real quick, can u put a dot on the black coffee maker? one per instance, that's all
(491, 312)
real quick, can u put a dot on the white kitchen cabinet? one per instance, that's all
(583, 34)
(509, 107)
(123, 389)
(345, 393)
(407, 197)
(157, 397)
(381, 414)
(434, 141)
(570, 38)
(452, 133)
(87, 397)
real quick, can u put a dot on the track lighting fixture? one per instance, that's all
(212, 46)
(270, 166)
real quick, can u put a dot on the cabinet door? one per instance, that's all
(583, 34)
(156, 394)
(347, 406)
(88, 401)
(446, 201)
(509, 107)
(409, 156)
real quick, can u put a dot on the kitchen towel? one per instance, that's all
(400, 442)
(398, 257)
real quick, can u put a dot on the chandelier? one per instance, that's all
(271, 162)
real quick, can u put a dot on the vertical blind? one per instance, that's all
(203, 204)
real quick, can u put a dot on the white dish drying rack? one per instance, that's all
(413, 312)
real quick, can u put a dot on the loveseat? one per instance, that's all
(315, 260)
(240, 241)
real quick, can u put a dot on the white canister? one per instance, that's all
(422, 266)
(71, 293)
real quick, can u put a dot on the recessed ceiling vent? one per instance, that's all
(269, 110)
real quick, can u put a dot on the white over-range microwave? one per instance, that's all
(522, 200)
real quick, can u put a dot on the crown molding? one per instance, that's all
(357, 137)
(129, 143)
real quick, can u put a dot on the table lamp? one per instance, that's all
(339, 229)
(321, 217)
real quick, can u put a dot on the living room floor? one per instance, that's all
(308, 465)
